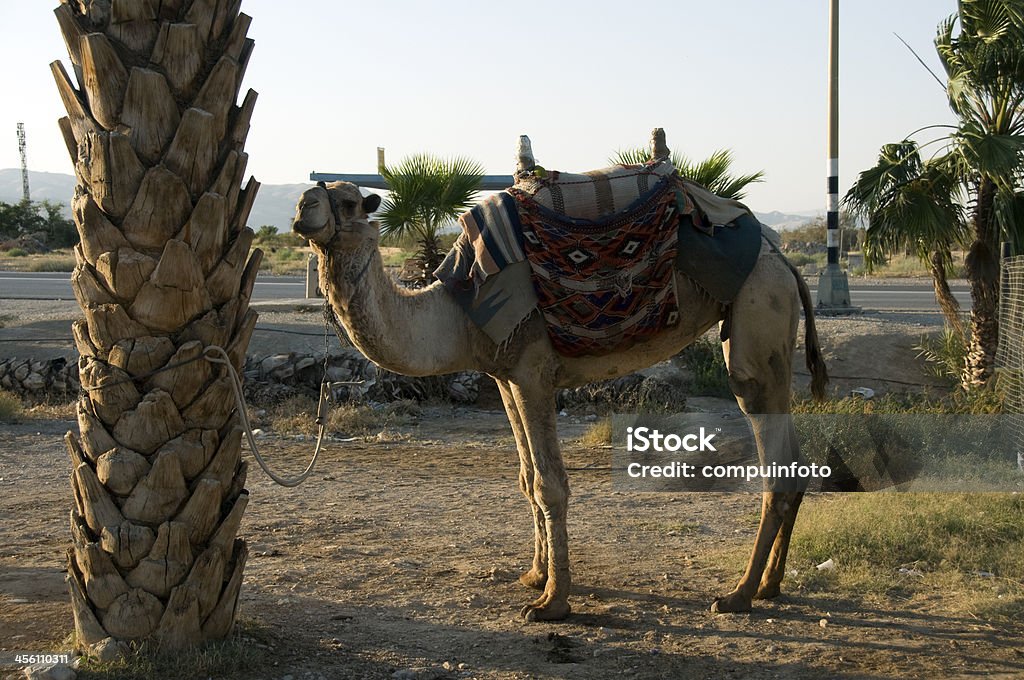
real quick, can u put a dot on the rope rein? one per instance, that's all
(217, 355)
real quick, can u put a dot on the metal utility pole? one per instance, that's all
(24, 163)
(833, 287)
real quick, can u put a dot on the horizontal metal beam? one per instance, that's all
(489, 182)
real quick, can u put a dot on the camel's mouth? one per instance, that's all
(300, 227)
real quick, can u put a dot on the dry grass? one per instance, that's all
(10, 407)
(598, 434)
(891, 549)
(244, 651)
(55, 261)
(297, 415)
(52, 411)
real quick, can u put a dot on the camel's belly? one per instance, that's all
(698, 313)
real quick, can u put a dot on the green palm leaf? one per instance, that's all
(714, 172)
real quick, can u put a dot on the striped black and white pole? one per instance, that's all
(832, 216)
(833, 135)
(833, 287)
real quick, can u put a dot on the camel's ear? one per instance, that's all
(371, 203)
(322, 184)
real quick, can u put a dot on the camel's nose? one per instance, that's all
(302, 229)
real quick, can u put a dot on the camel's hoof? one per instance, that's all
(768, 591)
(733, 603)
(552, 611)
(534, 578)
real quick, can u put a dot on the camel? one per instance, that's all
(424, 332)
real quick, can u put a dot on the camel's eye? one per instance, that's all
(310, 203)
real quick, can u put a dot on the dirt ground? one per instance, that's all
(402, 553)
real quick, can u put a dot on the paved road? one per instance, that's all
(912, 296)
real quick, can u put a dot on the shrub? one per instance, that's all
(945, 356)
(10, 407)
(17, 252)
(710, 376)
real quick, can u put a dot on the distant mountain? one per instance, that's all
(275, 203)
(44, 186)
(785, 221)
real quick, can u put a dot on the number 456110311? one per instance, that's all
(27, 659)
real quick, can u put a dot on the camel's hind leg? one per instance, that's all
(537, 575)
(535, 401)
(771, 580)
(759, 354)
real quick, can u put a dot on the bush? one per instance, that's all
(17, 252)
(710, 376)
(10, 407)
(945, 356)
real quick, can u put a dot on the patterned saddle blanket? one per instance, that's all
(595, 254)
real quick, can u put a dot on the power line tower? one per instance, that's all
(24, 163)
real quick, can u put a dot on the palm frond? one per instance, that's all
(714, 172)
(426, 192)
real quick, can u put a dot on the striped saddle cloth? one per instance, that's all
(594, 253)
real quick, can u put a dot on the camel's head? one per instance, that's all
(336, 215)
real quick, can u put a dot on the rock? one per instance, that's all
(50, 671)
(404, 674)
(823, 623)
(273, 362)
(109, 650)
(22, 371)
(34, 382)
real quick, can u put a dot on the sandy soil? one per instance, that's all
(402, 553)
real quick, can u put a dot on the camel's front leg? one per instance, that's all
(537, 575)
(536, 405)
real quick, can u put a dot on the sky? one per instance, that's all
(582, 78)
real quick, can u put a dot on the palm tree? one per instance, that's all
(979, 164)
(713, 172)
(425, 194)
(163, 272)
(913, 205)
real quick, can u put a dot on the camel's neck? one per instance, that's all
(409, 332)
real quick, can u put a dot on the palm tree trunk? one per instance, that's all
(944, 296)
(163, 271)
(982, 265)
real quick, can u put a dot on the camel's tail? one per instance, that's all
(815, 364)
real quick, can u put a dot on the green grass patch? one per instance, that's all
(243, 654)
(16, 252)
(969, 547)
